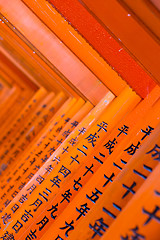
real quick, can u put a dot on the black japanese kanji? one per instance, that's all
(152, 215)
(77, 184)
(129, 189)
(155, 153)
(66, 196)
(95, 195)
(69, 227)
(99, 227)
(110, 145)
(82, 210)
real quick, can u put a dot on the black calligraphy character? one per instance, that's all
(82, 131)
(39, 179)
(109, 179)
(14, 208)
(56, 159)
(8, 236)
(44, 159)
(132, 149)
(110, 145)
(82, 151)
(45, 194)
(49, 168)
(83, 210)
(94, 197)
(74, 124)
(66, 133)
(89, 169)
(102, 126)
(51, 150)
(73, 141)
(30, 176)
(109, 213)
(42, 223)
(65, 150)
(23, 198)
(147, 132)
(98, 159)
(123, 129)
(53, 209)
(77, 184)
(66, 196)
(26, 216)
(74, 159)
(99, 227)
(155, 152)
(56, 181)
(17, 226)
(59, 141)
(92, 138)
(152, 215)
(37, 204)
(64, 171)
(69, 227)
(21, 186)
(7, 202)
(129, 189)
(37, 167)
(6, 218)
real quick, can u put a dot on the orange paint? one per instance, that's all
(112, 51)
